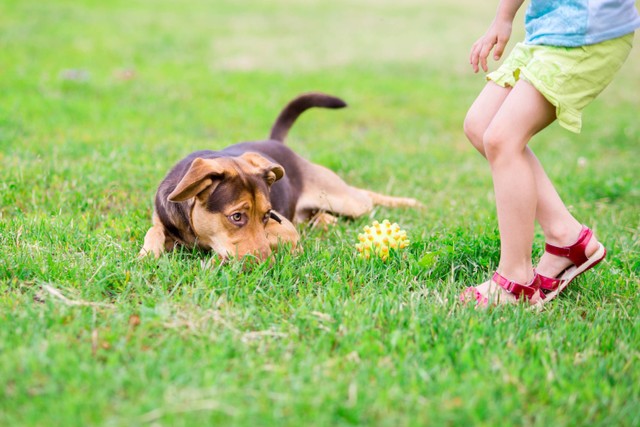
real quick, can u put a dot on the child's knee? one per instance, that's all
(495, 144)
(474, 130)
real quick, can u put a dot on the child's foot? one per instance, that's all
(559, 265)
(499, 291)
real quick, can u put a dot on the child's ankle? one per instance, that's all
(522, 276)
(565, 235)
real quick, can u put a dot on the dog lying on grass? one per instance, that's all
(239, 201)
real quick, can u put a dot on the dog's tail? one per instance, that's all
(298, 106)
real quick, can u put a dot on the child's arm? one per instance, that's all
(497, 35)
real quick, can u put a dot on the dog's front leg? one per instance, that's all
(154, 240)
(282, 231)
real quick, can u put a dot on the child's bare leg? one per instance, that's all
(481, 113)
(559, 226)
(523, 113)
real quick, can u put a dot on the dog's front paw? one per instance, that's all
(282, 231)
(145, 252)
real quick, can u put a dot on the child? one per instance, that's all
(571, 51)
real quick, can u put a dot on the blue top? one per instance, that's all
(579, 22)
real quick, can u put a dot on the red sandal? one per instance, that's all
(530, 291)
(552, 286)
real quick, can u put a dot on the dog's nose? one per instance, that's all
(263, 253)
(257, 255)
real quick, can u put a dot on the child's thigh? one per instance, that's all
(485, 107)
(522, 114)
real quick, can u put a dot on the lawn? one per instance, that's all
(98, 99)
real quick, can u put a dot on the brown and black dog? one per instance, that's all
(238, 201)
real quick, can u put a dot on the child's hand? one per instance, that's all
(497, 35)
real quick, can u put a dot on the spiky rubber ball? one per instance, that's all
(379, 239)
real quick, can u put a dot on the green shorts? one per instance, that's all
(568, 77)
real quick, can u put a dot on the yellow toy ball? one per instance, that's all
(380, 238)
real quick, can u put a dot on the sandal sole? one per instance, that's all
(574, 272)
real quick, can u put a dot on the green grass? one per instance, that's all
(89, 335)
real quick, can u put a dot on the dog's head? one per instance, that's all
(231, 204)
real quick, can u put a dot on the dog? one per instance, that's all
(244, 199)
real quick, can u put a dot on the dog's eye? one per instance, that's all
(238, 219)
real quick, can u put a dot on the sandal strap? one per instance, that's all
(518, 289)
(576, 252)
(472, 291)
(549, 283)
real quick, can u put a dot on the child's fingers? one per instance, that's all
(474, 55)
(484, 53)
(499, 50)
(473, 59)
(480, 52)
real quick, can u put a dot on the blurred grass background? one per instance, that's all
(98, 99)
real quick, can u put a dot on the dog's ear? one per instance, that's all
(201, 175)
(272, 171)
